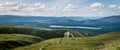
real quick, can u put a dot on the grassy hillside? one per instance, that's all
(110, 41)
(36, 31)
(9, 41)
(17, 37)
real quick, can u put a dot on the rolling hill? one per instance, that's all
(9, 41)
(12, 36)
(36, 38)
(105, 21)
(109, 41)
(38, 31)
(111, 23)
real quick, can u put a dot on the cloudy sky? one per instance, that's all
(87, 8)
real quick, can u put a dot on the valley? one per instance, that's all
(59, 33)
(59, 24)
(21, 38)
(75, 23)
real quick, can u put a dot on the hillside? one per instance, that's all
(17, 37)
(38, 31)
(110, 41)
(105, 21)
(111, 19)
(12, 36)
(110, 23)
(9, 41)
(35, 31)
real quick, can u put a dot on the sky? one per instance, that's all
(85, 8)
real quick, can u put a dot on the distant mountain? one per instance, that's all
(104, 21)
(39, 20)
(111, 19)
(64, 22)
(111, 22)
(41, 17)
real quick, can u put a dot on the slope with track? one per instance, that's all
(101, 42)
(9, 41)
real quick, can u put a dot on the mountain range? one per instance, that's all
(110, 23)
(70, 33)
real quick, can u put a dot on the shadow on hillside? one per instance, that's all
(6, 45)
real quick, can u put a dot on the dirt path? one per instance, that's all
(57, 42)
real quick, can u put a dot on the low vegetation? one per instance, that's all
(35, 31)
(110, 41)
(9, 41)
(35, 38)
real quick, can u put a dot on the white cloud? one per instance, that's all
(119, 7)
(39, 5)
(94, 9)
(34, 9)
(113, 6)
(17, 6)
(9, 4)
(106, 13)
(12, 6)
(39, 9)
(95, 6)
(70, 7)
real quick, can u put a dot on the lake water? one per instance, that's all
(55, 26)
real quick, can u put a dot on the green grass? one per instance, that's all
(9, 41)
(16, 26)
(110, 41)
(36, 31)
(12, 36)
(28, 38)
